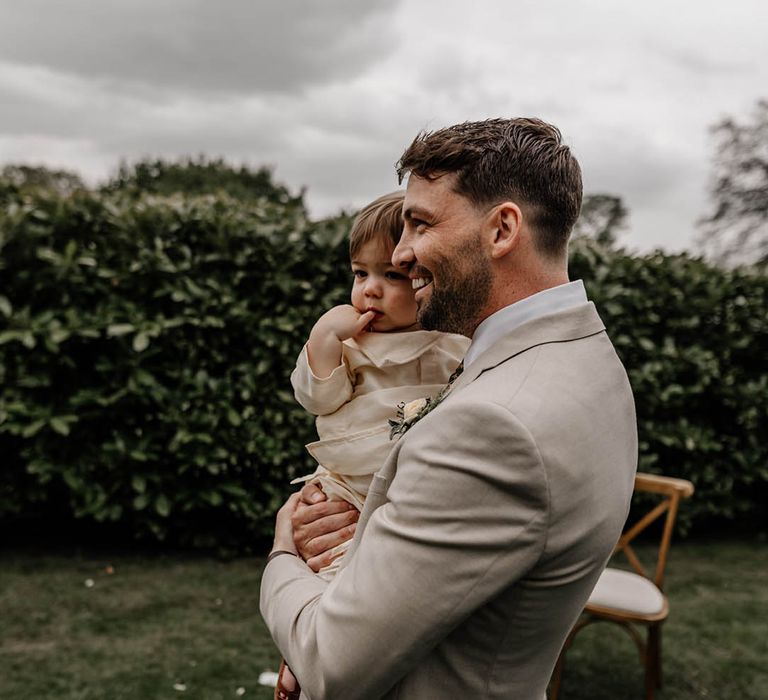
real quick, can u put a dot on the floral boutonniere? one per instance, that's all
(412, 412)
(408, 414)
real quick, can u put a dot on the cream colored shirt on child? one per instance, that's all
(353, 405)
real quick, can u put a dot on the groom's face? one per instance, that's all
(442, 247)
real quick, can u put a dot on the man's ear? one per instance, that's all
(506, 220)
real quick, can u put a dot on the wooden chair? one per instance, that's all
(635, 599)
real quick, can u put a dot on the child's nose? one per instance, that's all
(373, 287)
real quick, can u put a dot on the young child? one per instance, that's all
(363, 359)
(360, 362)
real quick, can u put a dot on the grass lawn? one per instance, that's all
(73, 628)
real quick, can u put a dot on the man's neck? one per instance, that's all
(520, 287)
(506, 319)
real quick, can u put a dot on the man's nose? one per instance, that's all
(402, 255)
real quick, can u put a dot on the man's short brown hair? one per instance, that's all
(522, 160)
(381, 220)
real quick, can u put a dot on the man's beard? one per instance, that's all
(455, 306)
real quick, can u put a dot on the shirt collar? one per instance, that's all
(505, 320)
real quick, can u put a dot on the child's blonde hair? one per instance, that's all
(381, 220)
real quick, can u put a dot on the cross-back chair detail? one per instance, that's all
(635, 599)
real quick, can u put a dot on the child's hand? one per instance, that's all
(334, 326)
(344, 322)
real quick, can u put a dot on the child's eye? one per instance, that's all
(395, 276)
(360, 273)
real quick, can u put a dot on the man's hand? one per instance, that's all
(319, 525)
(283, 527)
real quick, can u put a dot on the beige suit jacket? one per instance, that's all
(482, 535)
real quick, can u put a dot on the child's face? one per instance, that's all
(381, 287)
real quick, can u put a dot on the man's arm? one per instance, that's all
(466, 518)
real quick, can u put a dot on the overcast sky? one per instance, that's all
(329, 92)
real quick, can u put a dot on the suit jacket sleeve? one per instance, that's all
(320, 396)
(467, 517)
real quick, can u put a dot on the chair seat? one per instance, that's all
(627, 592)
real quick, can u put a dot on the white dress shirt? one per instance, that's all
(497, 325)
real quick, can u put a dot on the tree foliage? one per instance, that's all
(736, 231)
(31, 178)
(199, 176)
(603, 218)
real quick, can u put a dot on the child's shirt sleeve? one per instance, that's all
(320, 396)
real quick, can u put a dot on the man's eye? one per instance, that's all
(415, 224)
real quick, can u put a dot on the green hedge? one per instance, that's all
(146, 343)
(145, 350)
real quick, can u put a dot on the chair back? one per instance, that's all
(671, 490)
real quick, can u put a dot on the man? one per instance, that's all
(491, 520)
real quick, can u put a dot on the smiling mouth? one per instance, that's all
(420, 282)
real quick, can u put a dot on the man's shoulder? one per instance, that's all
(549, 382)
(560, 327)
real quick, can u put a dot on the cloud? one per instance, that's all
(330, 92)
(698, 63)
(59, 153)
(240, 46)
